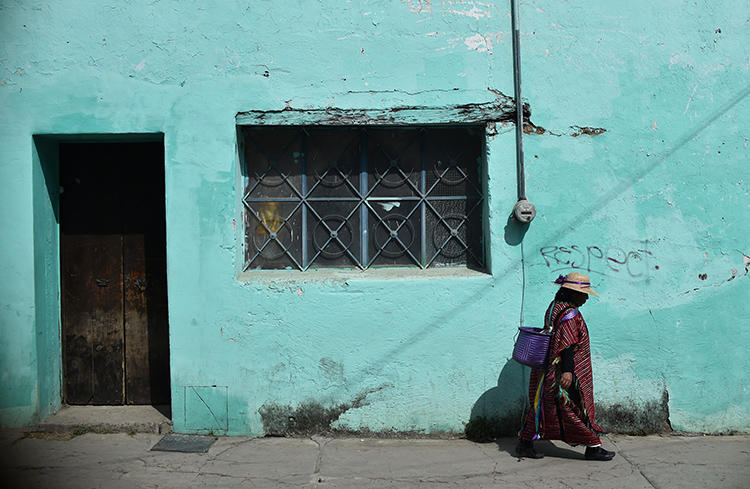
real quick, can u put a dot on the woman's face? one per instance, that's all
(580, 298)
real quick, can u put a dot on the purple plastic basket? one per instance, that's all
(531, 347)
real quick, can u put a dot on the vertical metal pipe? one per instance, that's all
(520, 176)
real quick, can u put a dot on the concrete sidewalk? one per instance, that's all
(121, 460)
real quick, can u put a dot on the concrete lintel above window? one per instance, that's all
(499, 110)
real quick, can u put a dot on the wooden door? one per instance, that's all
(114, 304)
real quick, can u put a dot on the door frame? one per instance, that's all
(46, 275)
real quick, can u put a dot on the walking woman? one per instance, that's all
(562, 395)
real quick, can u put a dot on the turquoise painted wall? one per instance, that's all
(654, 208)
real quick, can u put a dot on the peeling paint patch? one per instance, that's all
(479, 43)
(589, 131)
(474, 12)
(419, 6)
(528, 126)
(491, 130)
(531, 128)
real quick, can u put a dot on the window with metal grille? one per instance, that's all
(361, 197)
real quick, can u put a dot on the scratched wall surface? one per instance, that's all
(636, 161)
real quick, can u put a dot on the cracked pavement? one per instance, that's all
(119, 460)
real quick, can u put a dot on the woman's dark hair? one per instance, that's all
(569, 295)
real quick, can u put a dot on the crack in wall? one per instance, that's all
(735, 274)
(501, 109)
(418, 92)
(575, 131)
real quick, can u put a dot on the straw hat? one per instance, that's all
(576, 281)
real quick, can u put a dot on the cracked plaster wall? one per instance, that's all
(637, 164)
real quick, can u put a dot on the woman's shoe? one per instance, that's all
(525, 449)
(598, 453)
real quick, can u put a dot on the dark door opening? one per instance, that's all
(115, 332)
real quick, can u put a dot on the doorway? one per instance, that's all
(115, 331)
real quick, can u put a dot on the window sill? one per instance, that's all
(347, 275)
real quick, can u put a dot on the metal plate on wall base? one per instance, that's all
(175, 442)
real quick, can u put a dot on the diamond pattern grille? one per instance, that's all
(358, 197)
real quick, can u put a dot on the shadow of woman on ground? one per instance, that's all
(551, 450)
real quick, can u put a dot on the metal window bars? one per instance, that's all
(359, 197)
